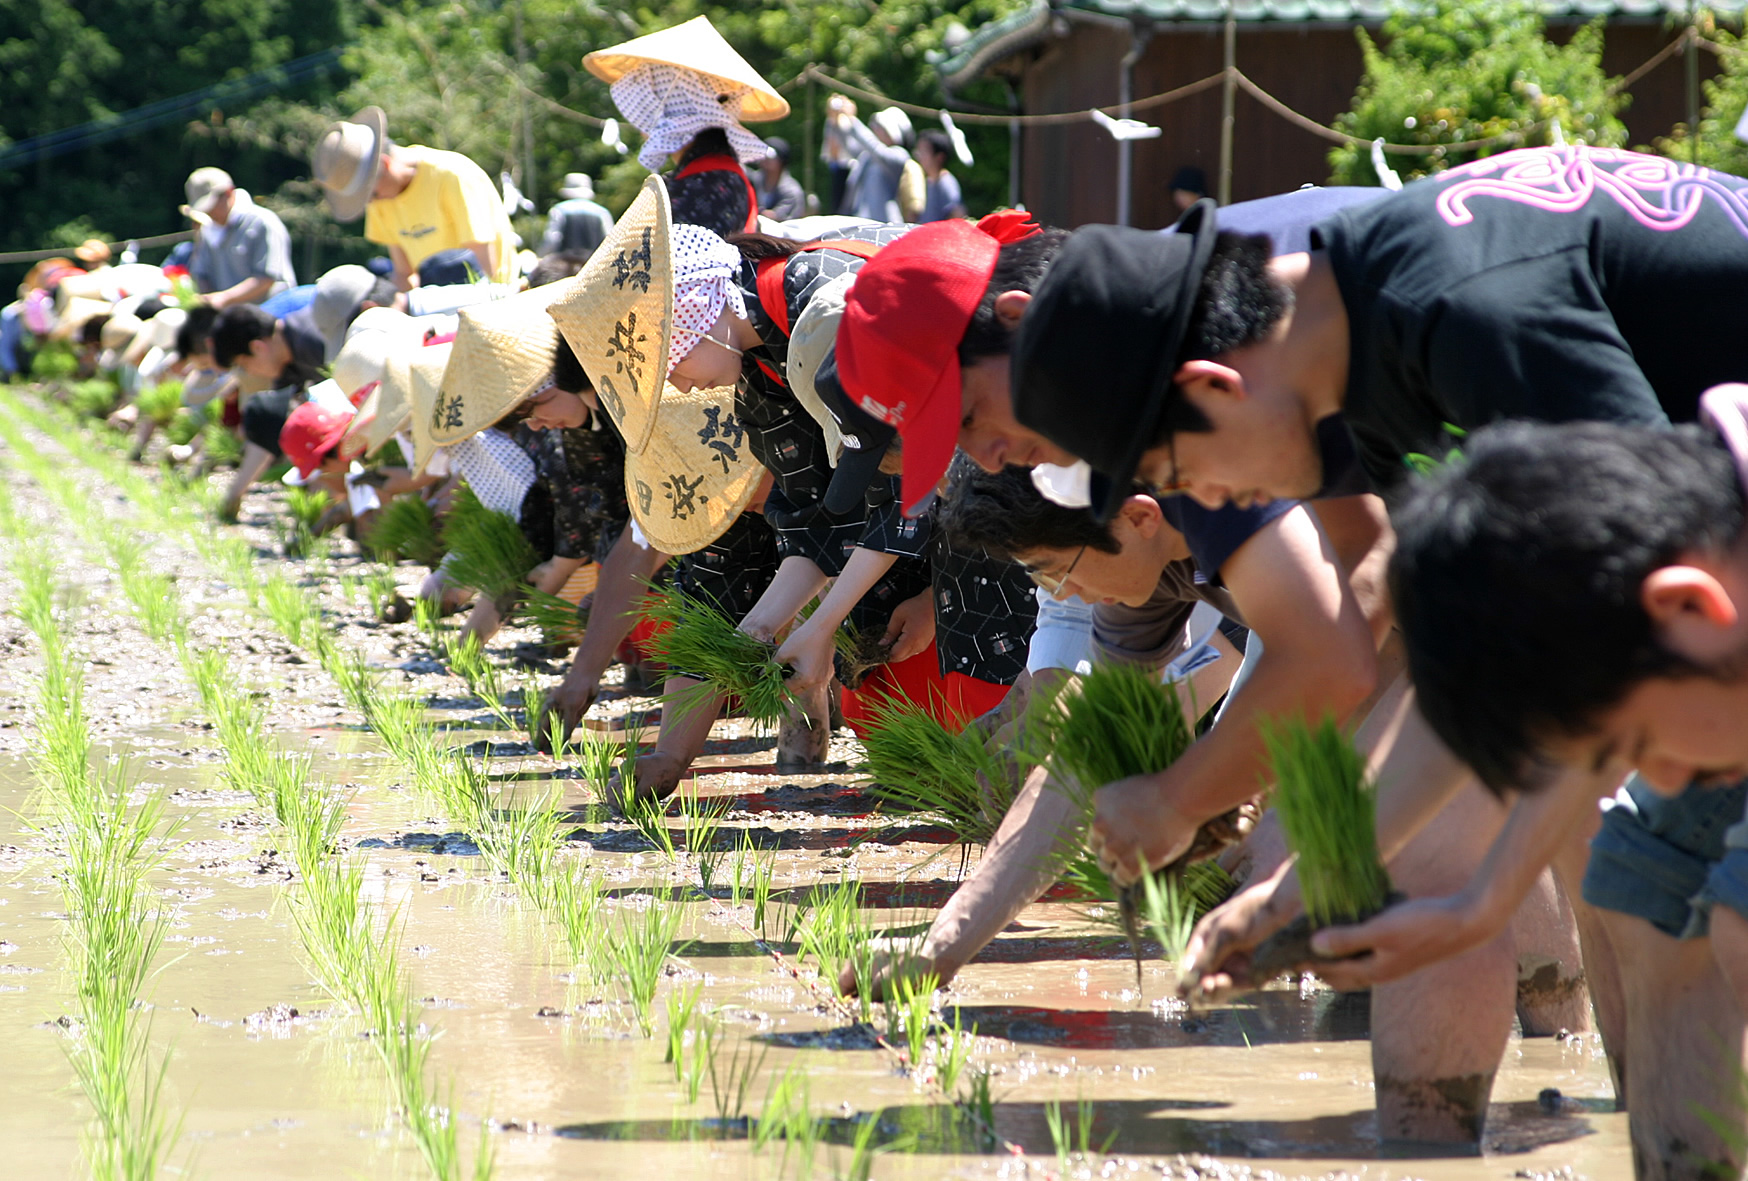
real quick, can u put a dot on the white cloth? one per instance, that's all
(445, 298)
(671, 105)
(1063, 636)
(1070, 486)
(361, 496)
(704, 271)
(499, 472)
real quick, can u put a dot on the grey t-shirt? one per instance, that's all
(254, 244)
(1153, 633)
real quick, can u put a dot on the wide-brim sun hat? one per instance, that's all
(346, 161)
(389, 407)
(696, 475)
(1102, 339)
(503, 354)
(424, 382)
(693, 45)
(157, 333)
(375, 335)
(617, 314)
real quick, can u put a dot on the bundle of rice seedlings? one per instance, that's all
(1118, 720)
(489, 552)
(697, 640)
(858, 654)
(407, 528)
(221, 444)
(918, 764)
(182, 427)
(160, 401)
(92, 398)
(1328, 814)
(55, 361)
(305, 507)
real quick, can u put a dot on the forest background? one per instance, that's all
(106, 108)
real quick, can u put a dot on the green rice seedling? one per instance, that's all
(918, 764)
(220, 444)
(682, 1008)
(406, 528)
(739, 880)
(489, 552)
(701, 821)
(638, 951)
(952, 1050)
(183, 427)
(160, 401)
(706, 1038)
(553, 615)
(303, 512)
(54, 361)
(294, 614)
(787, 1114)
(467, 660)
(575, 905)
(730, 1081)
(763, 872)
(836, 933)
(382, 587)
(1328, 814)
(596, 755)
(865, 1151)
(649, 817)
(915, 1000)
(979, 1103)
(700, 641)
(1059, 1137)
(358, 684)
(428, 616)
(522, 842)
(94, 398)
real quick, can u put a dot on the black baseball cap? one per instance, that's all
(866, 439)
(1096, 349)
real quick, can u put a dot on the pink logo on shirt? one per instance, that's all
(1660, 194)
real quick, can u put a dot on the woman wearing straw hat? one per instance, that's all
(688, 92)
(719, 314)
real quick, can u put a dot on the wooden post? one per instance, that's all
(1693, 80)
(1228, 103)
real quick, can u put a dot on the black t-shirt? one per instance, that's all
(1214, 535)
(1557, 284)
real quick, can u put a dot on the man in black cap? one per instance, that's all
(780, 195)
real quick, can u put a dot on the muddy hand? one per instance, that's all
(1134, 829)
(1403, 939)
(561, 709)
(1217, 962)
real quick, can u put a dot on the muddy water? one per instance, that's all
(272, 1079)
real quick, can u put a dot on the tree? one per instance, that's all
(1726, 100)
(1463, 70)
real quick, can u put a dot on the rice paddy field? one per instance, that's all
(286, 892)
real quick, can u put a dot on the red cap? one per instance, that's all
(309, 433)
(898, 341)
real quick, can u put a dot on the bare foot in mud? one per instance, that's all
(657, 776)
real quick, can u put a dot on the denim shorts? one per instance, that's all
(1670, 859)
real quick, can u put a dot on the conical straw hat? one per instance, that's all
(694, 45)
(503, 353)
(697, 474)
(618, 311)
(424, 386)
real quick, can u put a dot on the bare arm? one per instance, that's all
(797, 581)
(250, 290)
(403, 274)
(1318, 659)
(487, 253)
(808, 650)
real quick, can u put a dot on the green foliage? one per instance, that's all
(91, 398)
(1327, 812)
(221, 444)
(1114, 722)
(160, 401)
(1726, 96)
(917, 763)
(1453, 71)
(55, 361)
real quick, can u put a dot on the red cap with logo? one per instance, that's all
(309, 433)
(898, 341)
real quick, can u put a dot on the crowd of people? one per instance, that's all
(1461, 467)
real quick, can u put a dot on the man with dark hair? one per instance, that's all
(944, 199)
(780, 195)
(285, 356)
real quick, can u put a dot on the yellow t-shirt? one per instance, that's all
(449, 203)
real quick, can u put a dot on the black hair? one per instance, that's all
(779, 148)
(1518, 571)
(1239, 302)
(149, 307)
(236, 328)
(195, 335)
(755, 247)
(712, 141)
(560, 265)
(1005, 514)
(938, 140)
(1019, 266)
(382, 293)
(567, 371)
(91, 331)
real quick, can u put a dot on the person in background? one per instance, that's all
(342, 293)
(780, 195)
(880, 152)
(944, 200)
(835, 154)
(242, 252)
(287, 355)
(577, 223)
(1188, 185)
(417, 201)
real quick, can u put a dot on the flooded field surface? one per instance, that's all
(531, 962)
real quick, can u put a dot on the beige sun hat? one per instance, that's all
(373, 336)
(347, 159)
(503, 354)
(697, 474)
(617, 312)
(694, 45)
(390, 405)
(425, 367)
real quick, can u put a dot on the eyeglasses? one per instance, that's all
(1052, 584)
(1176, 485)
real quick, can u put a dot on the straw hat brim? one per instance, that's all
(697, 474)
(424, 383)
(502, 354)
(350, 206)
(617, 314)
(693, 45)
